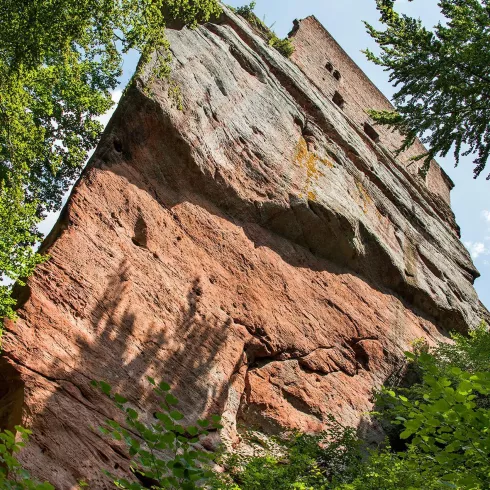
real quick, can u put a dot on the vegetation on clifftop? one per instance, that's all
(284, 46)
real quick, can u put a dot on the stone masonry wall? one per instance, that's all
(329, 67)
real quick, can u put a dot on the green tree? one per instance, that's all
(468, 352)
(59, 61)
(449, 432)
(442, 76)
(18, 237)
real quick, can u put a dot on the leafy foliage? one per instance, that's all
(444, 416)
(59, 61)
(284, 46)
(12, 475)
(443, 78)
(468, 352)
(336, 459)
(449, 432)
(386, 470)
(18, 237)
(164, 451)
(246, 10)
(299, 461)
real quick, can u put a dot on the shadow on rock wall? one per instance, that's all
(123, 349)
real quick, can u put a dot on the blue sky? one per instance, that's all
(343, 19)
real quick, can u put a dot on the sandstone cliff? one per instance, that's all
(247, 235)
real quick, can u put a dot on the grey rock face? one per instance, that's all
(268, 146)
(241, 236)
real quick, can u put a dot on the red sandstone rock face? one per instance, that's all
(253, 249)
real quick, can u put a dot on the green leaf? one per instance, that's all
(406, 434)
(132, 414)
(176, 415)
(120, 399)
(105, 387)
(465, 387)
(164, 386)
(193, 431)
(171, 400)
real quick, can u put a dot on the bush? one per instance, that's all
(468, 352)
(247, 10)
(284, 46)
(298, 461)
(386, 470)
(448, 431)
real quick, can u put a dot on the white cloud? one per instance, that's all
(486, 214)
(476, 249)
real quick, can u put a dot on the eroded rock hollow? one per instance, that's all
(244, 232)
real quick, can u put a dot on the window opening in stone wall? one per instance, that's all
(338, 100)
(371, 132)
(329, 67)
(337, 75)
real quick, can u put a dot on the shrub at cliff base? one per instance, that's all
(443, 418)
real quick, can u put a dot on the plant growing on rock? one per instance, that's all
(164, 453)
(284, 46)
(12, 475)
(246, 10)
